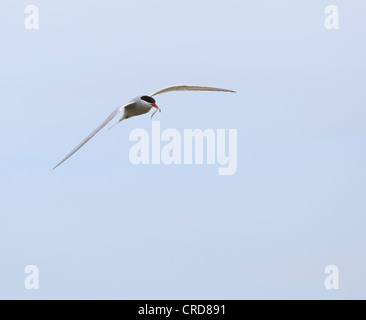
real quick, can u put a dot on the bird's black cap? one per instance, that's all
(148, 99)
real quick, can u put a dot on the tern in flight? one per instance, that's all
(139, 105)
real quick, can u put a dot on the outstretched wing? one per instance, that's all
(110, 117)
(189, 88)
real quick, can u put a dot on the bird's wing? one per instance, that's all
(189, 88)
(110, 117)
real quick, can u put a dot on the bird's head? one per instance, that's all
(150, 101)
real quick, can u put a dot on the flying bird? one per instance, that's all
(139, 105)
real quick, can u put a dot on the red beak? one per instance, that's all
(154, 105)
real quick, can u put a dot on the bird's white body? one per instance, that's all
(136, 108)
(139, 105)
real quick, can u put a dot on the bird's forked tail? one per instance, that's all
(120, 120)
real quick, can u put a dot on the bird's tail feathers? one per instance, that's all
(116, 123)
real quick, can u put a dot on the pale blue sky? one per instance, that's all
(99, 227)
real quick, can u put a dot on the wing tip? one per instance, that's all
(55, 166)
